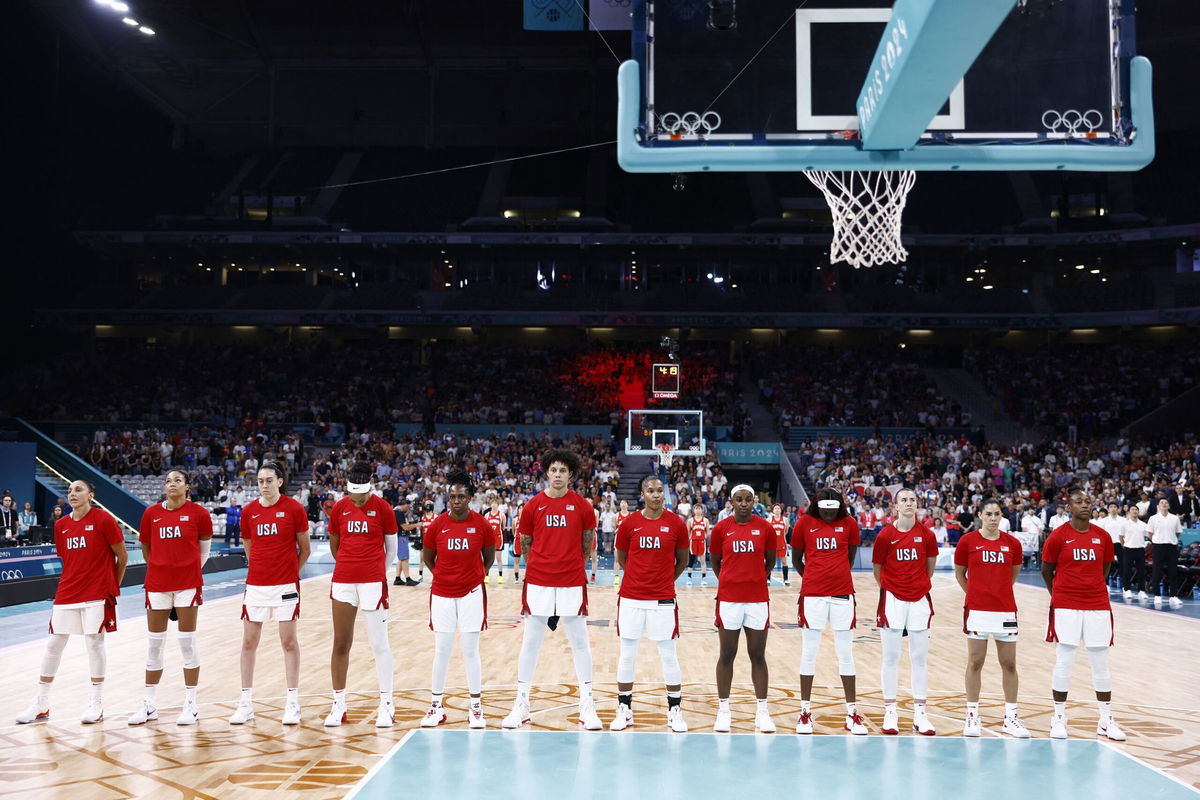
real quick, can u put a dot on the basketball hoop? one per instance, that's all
(867, 208)
(666, 452)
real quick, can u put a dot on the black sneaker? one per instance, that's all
(398, 581)
(411, 582)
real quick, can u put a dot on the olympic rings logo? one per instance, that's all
(690, 122)
(10, 574)
(1071, 121)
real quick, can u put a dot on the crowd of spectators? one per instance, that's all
(1109, 387)
(830, 387)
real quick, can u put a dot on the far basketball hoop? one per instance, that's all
(666, 452)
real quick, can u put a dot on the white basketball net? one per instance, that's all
(666, 452)
(867, 208)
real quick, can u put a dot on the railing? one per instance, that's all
(791, 490)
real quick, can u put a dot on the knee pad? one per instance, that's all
(155, 643)
(627, 660)
(672, 675)
(844, 642)
(97, 659)
(1064, 659)
(1101, 678)
(811, 645)
(187, 649)
(55, 646)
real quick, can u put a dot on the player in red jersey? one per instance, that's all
(92, 552)
(175, 537)
(557, 528)
(1075, 564)
(904, 557)
(779, 524)
(652, 549)
(517, 553)
(427, 519)
(496, 521)
(362, 539)
(742, 548)
(275, 535)
(698, 527)
(459, 550)
(825, 540)
(986, 564)
(622, 515)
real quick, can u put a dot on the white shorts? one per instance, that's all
(271, 603)
(899, 615)
(367, 596)
(836, 612)
(467, 613)
(659, 622)
(184, 598)
(998, 625)
(551, 601)
(1093, 628)
(78, 617)
(735, 616)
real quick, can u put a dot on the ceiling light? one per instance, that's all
(118, 6)
(146, 30)
(133, 23)
(989, 286)
(1080, 266)
(1095, 271)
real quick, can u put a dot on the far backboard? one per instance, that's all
(649, 428)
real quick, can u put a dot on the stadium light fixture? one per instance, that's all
(1095, 271)
(146, 30)
(133, 23)
(1080, 266)
(119, 7)
(989, 286)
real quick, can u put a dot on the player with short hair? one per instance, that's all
(904, 557)
(175, 536)
(698, 528)
(459, 550)
(495, 521)
(362, 539)
(557, 528)
(651, 548)
(742, 548)
(825, 540)
(275, 536)
(1075, 563)
(986, 565)
(779, 524)
(92, 550)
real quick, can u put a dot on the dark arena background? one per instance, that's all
(245, 232)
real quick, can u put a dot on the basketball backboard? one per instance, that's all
(648, 429)
(1051, 89)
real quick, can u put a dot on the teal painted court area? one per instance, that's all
(533, 765)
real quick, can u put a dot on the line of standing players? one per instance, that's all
(556, 532)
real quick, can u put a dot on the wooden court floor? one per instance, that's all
(1156, 694)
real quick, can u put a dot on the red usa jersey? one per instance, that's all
(271, 532)
(496, 521)
(826, 547)
(779, 525)
(650, 545)
(989, 566)
(360, 554)
(556, 525)
(89, 566)
(743, 548)
(459, 549)
(1081, 563)
(902, 555)
(173, 539)
(699, 535)
(426, 522)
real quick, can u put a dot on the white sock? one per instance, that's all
(339, 698)
(1010, 709)
(723, 703)
(189, 694)
(385, 697)
(293, 696)
(806, 706)
(97, 689)
(476, 702)
(247, 696)
(43, 690)
(1105, 709)
(1060, 708)
(889, 705)
(437, 700)
(523, 690)
(762, 705)
(851, 709)
(585, 691)
(973, 708)
(151, 693)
